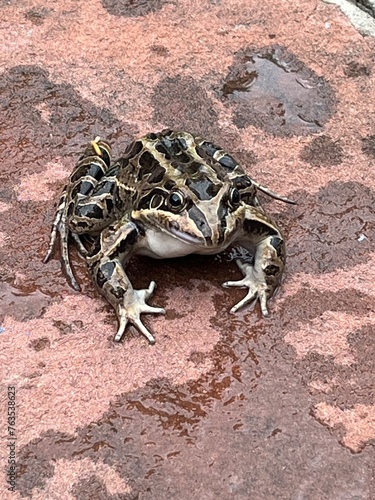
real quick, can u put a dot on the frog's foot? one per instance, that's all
(60, 228)
(258, 289)
(134, 305)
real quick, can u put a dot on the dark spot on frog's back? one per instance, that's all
(174, 146)
(162, 149)
(91, 211)
(107, 187)
(133, 149)
(157, 175)
(193, 169)
(94, 170)
(228, 162)
(257, 227)
(148, 163)
(203, 187)
(207, 149)
(83, 188)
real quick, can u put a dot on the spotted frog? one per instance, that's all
(171, 194)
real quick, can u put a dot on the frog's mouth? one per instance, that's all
(190, 227)
(186, 237)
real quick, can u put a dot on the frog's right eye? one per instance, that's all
(176, 201)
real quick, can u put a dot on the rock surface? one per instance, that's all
(222, 406)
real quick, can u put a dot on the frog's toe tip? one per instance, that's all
(76, 287)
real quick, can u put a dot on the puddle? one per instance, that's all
(271, 89)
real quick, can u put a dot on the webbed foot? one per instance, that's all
(133, 306)
(258, 289)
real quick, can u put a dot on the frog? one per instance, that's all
(171, 194)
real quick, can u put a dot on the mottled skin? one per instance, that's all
(171, 194)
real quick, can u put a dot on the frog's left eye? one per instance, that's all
(176, 201)
(234, 197)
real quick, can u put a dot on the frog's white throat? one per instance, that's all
(163, 245)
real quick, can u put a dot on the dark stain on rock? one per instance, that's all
(198, 357)
(160, 50)
(133, 8)
(183, 104)
(246, 158)
(348, 385)
(368, 145)
(333, 229)
(271, 89)
(311, 304)
(40, 344)
(92, 487)
(37, 15)
(22, 304)
(354, 69)
(322, 151)
(45, 120)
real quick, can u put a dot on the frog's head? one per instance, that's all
(201, 214)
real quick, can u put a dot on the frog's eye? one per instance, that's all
(234, 197)
(176, 201)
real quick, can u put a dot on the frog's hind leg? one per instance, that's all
(55, 227)
(59, 226)
(90, 169)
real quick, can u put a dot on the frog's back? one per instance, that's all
(160, 162)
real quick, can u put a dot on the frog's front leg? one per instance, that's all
(261, 237)
(116, 246)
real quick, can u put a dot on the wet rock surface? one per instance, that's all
(271, 89)
(222, 406)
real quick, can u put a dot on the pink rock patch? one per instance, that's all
(40, 187)
(358, 422)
